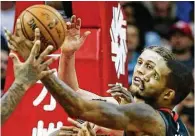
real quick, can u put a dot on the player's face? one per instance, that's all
(149, 78)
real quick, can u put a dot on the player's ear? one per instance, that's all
(169, 94)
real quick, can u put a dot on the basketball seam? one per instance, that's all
(54, 14)
(23, 29)
(45, 29)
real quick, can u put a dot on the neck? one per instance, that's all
(167, 107)
(184, 56)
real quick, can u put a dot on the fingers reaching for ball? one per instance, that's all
(19, 28)
(74, 23)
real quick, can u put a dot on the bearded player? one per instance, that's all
(158, 80)
(67, 74)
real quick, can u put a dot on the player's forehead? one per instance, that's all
(151, 56)
(155, 59)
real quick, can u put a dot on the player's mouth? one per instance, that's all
(138, 82)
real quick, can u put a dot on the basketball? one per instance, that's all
(48, 20)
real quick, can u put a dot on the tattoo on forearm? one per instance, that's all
(99, 100)
(76, 107)
(10, 100)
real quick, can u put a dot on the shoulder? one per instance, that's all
(146, 117)
(174, 125)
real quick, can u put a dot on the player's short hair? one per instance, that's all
(162, 51)
(180, 79)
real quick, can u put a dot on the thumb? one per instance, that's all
(82, 39)
(14, 58)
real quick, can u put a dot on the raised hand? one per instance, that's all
(18, 43)
(33, 69)
(73, 40)
(121, 94)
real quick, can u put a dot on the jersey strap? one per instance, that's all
(166, 122)
(172, 113)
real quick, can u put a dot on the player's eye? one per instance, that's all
(139, 62)
(148, 66)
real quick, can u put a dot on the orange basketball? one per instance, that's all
(48, 20)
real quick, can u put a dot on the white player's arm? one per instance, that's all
(67, 73)
(66, 70)
(73, 41)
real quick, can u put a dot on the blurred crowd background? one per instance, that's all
(162, 23)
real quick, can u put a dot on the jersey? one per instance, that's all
(174, 125)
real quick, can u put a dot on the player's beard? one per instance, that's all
(149, 99)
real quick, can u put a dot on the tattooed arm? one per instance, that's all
(26, 74)
(10, 100)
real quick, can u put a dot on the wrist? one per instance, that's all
(24, 85)
(68, 55)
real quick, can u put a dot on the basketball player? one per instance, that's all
(138, 97)
(67, 74)
(158, 79)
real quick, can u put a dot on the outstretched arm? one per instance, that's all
(66, 70)
(130, 117)
(26, 74)
(10, 100)
(73, 41)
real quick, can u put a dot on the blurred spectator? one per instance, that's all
(4, 60)
(63, 7)
(7, 15)
(192, 20)
(186, 112)
(137, 14)
(132, 44)
(152, 38)
(164, 15)
(181, 42)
